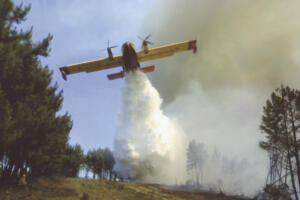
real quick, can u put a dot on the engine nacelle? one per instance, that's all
(145, 46)
(110, 54)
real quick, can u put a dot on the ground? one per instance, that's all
(88, 189)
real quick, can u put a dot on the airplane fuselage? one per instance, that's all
(130, 57)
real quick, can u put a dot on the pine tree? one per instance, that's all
(281, 124)
(95, 162)
(196, 154)
(108, 162)
(72, 161)
(32, 136)
(101, 162)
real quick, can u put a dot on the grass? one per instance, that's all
(88, 189)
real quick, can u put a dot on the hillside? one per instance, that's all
(87, 189)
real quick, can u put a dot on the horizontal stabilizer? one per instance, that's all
(147, 69)
(116, 75)
(122, 73)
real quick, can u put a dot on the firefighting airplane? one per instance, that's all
(130, 59)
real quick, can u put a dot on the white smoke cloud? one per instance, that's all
(245, 50)
(147, 142)
(240, 43)
(227, 123)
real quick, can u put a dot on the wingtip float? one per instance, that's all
(130, 58)
(64, 72)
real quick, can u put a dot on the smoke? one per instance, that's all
(147, 142)
(227, 124)
(232, 174)
(240, 43)
(245, 50)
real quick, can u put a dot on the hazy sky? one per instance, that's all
(80, 32)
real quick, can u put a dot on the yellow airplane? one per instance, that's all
(130, 59)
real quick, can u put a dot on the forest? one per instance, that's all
(34, 139)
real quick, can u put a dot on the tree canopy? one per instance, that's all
(33, 136)
(281, 126)
(101, 162)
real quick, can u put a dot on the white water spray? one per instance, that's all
(147, 142)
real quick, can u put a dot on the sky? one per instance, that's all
(80, 32)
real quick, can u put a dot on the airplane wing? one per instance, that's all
(167, 50)
(92, 66)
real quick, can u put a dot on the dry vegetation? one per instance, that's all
(87, 189)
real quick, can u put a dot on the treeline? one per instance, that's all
(33, 136)
(99, 163)
(281, 126)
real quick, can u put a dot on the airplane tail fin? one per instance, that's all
(122, 73)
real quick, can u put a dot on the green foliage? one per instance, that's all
(108, 160)
(276, 192)
(94, 161)
(72, 161)
(281, 112)
(100, 162)
(281, 126)
(32, 136)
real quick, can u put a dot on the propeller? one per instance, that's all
(108, 47)
(111, 46)
(146, 39)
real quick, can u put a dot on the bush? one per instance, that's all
(276, 192)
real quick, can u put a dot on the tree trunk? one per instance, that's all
(279, 171)
(86, 172)
(295, 145)
(288, 148)
(201, 177)
(292, 174)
